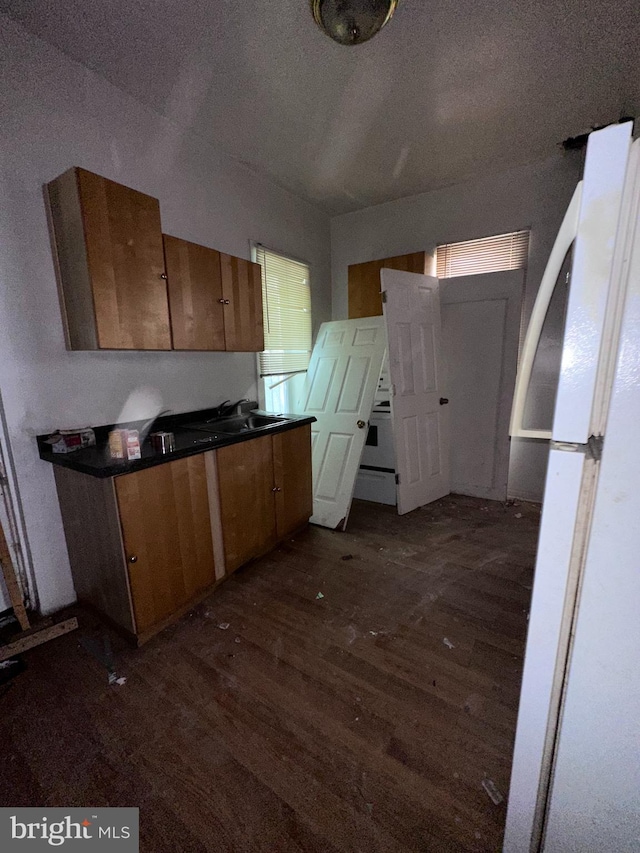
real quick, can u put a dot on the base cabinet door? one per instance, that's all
(247, 507)
(265, 492)
(292, 477)
(166, 530)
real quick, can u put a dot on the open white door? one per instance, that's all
(411, 306)
(339, 390)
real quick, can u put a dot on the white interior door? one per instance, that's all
(339, 390)
(411, 308)
(480, 324)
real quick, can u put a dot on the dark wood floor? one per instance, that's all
(361, 719)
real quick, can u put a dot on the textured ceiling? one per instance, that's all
(446, 90)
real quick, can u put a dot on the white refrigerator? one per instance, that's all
(575, 783)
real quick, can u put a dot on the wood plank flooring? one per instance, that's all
(367, 684)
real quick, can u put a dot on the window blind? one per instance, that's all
(489, 254)
(286, 306)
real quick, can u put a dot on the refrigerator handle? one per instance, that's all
(565, 237)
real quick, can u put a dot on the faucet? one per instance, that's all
(231, 408)
(228, 408)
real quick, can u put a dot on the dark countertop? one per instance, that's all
(97, 462)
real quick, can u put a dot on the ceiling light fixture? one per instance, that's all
(352, 21)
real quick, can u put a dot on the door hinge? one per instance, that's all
(392, 390)
(397, 479)
(384, 295)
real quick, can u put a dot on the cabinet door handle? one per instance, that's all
(224, 301)
(133, 559)
(444, 401)
(276, 489)
(163, 275)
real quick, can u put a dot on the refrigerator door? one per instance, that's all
(568, 499)
(594, 804)
(592, 333)
(590, 284)
(591, 224)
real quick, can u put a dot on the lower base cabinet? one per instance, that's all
(265, 492)
(166, 531)
(144, 547)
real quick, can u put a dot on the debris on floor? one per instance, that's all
(494, 794)
(237, 640)
(319, 595)
(10, 668)
(347, 557)
(373, 633)
(223, 626)
(114, 679)
(518, 515)
(448, 643)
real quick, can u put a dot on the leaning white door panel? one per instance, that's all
(339, 390)
(411, 307)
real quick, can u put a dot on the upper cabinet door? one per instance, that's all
(242, 293)
(111, 264)
(364, 281)
(195, 295)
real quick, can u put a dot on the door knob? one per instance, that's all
(444, 401)
(133, 559)
(361, 424)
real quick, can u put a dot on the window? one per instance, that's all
(286, 306)
(489, 254)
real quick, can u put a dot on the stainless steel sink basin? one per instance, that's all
(246, 423)
(238, 424)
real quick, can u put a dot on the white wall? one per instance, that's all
(57, 114)
(533, 196)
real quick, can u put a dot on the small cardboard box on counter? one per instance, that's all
(68, 440)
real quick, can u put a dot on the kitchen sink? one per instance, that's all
(246, 423)
(238, 424)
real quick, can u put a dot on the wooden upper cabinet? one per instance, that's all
(242, 293)
(364, 281)
(166, 529)
(111, 264)
(195, 295)
(293, 480)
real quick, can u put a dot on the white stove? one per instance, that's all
(376, 479)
